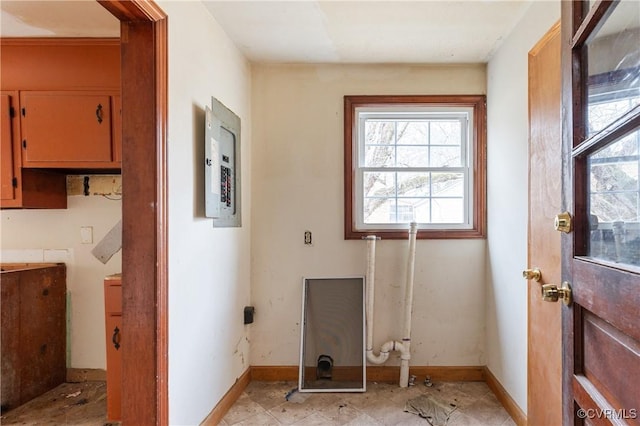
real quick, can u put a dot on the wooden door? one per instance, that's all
(601, 248)
(544, 364)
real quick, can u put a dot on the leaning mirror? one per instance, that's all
(332, 353)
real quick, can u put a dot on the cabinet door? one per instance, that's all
(7, 170)
(114, 365)
(28, 188)
(66, 129)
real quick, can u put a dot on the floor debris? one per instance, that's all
(434, 411)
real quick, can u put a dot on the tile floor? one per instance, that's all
(264, 403)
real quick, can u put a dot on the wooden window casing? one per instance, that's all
(477, 163)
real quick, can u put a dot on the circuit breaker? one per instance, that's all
(222, 165)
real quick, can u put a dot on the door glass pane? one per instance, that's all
(614, 201)
(613, 85)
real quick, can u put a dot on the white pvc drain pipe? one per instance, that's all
(392, 345)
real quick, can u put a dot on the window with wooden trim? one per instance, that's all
(415, 159)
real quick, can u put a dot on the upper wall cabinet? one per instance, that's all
(69, 92)
(21, 187)
(61, 113)
(68, 129)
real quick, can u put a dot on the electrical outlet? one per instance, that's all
(307, 238)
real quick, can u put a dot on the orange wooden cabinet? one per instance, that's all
(65, 98)
(24, 188)
(60, 114)
(113, 323)
(69, 129)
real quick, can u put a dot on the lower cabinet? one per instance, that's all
(113, 322)
(33, 338)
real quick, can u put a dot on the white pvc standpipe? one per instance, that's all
(392, 345)
(408, 307)
(370, 290)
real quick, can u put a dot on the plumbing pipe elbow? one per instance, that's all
(398, 346)
(403, 349)
(381, 358)
(388, 347)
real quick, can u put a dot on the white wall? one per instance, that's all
(507, 203)
(54, 236)
(298, 186)
(208, 268)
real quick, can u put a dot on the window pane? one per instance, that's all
(379, 132)
(621, 206)
(445, 133)
(379, 210)
(413, 209)
(413, 132)
(614, 201)
(403, 213)
(624, 147)
(379, 184)
(447, 184)
(447, 210)
(445, 156)
(379, 156)
(412, 156)
(413, 184)
(613, 85)
(614, 177)
(422, 211)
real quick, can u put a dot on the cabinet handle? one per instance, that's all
(116, 338)
(99, 113)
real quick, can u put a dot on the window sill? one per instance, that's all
(423, 234)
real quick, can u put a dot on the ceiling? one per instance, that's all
(84, 18)
(310, 31)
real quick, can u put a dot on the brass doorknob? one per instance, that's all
(532, 274)
(562, 222)
(551, 293)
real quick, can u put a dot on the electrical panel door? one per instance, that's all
(222, 165)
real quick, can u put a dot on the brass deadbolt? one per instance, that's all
(551, 293)
(532, 274)
(562, 222)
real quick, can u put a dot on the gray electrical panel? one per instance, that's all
(222, 165)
